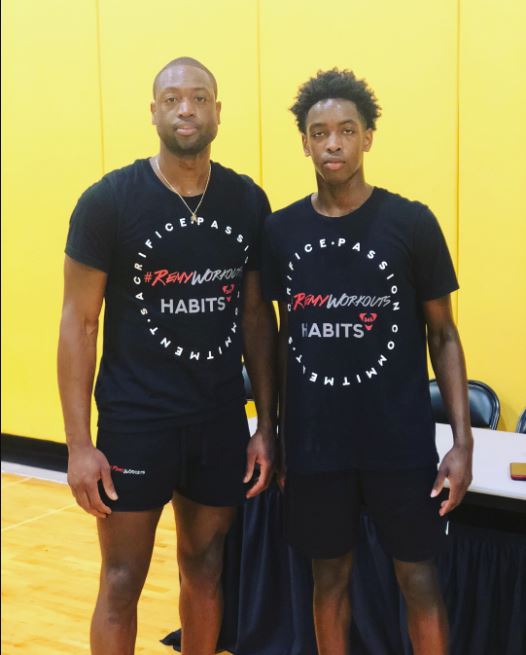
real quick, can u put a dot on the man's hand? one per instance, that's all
(260, 451)
(86, 466)
(280, 466)
(281, 476)
(456, 467)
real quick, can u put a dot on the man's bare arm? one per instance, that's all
(84, 289)
(449, 365)
(260, 340)
(282, 384)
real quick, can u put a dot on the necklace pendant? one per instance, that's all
(193, 219)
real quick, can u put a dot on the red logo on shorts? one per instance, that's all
(119, 469)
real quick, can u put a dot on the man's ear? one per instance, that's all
(305, 144)
(153, 108)
(368, 140)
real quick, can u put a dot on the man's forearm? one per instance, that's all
(260, 352)
(77, 356)
(282, 388)
(449, 365)
(282, 372)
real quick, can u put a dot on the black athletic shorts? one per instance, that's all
(322, 512)
(204, 462)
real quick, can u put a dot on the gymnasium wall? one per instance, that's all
(76, 89)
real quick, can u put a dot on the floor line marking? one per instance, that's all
(40, 516)
(34, 472)
(5, 485)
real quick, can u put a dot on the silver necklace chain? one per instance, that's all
(193, 212)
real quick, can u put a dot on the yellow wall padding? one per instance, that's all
(450, 79)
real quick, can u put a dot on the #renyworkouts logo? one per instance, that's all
(200, 294)
(366, 320)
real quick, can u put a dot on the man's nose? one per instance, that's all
(333, 143)
(186, 108)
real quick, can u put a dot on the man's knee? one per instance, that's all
(418, 582)
(331, 576)
(201, 566)
(121, 587)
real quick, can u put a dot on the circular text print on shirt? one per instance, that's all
(343, 304)
(192, 312)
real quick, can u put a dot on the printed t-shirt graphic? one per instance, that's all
(172, 343)
(357, 392)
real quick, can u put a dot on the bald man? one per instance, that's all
(170, 243)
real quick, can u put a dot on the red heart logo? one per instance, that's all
(368, 319)
(228, 288)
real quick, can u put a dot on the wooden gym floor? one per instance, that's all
(50, 568)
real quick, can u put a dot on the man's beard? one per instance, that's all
(181, 149)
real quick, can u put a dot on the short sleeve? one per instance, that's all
(262, 209)
(92, 228)
(272, 282)
(433, 268)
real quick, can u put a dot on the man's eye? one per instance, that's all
(200, 99)
(348, 130)
(317, 134)
(170, 99)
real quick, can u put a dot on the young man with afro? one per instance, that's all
(363, 278)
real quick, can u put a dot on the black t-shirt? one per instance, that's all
(357, 384)
(172, 342)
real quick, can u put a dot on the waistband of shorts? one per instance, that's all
(160, 424)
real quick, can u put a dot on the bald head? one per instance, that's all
(184, 61)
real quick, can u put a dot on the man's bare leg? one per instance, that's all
(426, 613)
(201, 532)
(332, 608)
(126, 542)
